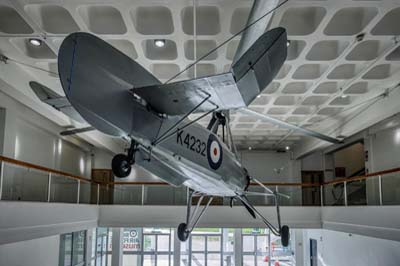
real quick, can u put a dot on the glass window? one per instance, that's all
(131, 260)
(214, 243)
(198, 259)
(65, 258)
(213, 259)
(163, 243)
(248, 243)
(149, 260)
(149, 243)
(162, 260)
(198, 243)
(72, 249)
(248, 260)
(78, 251)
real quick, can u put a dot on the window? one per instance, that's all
(72, 249)
(255, 246)
(102, 254)
(261, 247)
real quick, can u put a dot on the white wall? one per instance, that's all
(337, 249)
(351, 158)
(384, 149)
(261, 165)
(31, 137)
(36, 252)
(313, 162)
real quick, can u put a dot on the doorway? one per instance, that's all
(313, 252)
(311, 195)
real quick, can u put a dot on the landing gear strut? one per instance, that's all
(184, 229)
(282, 231)
(122, 163)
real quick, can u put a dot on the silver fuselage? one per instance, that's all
(187, 160)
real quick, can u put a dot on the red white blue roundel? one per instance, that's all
(214, 152)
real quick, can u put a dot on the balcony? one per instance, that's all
(37, 202)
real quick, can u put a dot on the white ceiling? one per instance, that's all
(325, 59)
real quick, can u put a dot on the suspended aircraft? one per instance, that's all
(117, 96)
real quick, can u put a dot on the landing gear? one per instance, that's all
(183, 233)
(184, 229)
(285, 235)
(282, 231)
(122, 164)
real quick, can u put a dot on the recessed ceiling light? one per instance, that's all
(258, 96)
(344, 96)
(250, 148)
(287, 148)
(159, 43)
(288, 43)
(35, 42)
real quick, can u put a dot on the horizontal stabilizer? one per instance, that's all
(55, 100)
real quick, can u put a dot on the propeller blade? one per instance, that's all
(284, 124)
(76, 131)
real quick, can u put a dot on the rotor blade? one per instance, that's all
(76, 131)
(284, 124)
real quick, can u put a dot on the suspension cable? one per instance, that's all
(226, 41)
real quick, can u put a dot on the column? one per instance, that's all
(89, 239)
(238, 247)
(298, 246)
(117, 246)
(177, 249)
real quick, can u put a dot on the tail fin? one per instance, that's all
(259, 65)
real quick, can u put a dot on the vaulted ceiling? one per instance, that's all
(342, 55)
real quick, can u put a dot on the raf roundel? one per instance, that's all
(214, 152)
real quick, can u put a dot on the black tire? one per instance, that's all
(183, 234)
(121, 166)
(285, 235)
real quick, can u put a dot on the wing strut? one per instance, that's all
(284, 124)
(166, 135)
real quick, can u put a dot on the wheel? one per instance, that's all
(285, 235)
(183, 234)
(121, 166)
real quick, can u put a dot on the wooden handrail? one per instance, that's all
(252, 184)
(84, 179)
(358, 178)
(42, 168)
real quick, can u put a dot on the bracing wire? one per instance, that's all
(226, 41)
(31, 66)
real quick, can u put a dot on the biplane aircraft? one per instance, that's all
(117, 96)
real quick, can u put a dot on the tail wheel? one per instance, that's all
(285, 235)
(183, 233)
(121, 165)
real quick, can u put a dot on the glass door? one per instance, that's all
(157, 247)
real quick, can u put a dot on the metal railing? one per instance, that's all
(22, 181)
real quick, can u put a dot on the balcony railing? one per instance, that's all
(22, 181)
